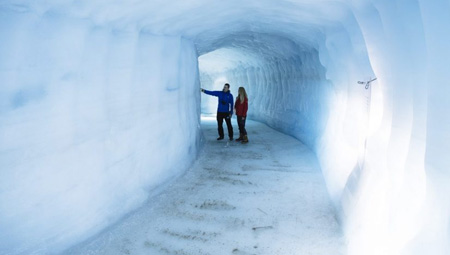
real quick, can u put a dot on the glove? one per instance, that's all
(202, 90)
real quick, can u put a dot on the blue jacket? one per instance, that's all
(225, 100)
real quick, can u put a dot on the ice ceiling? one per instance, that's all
(88, 79)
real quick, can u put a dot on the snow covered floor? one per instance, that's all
(265, 197)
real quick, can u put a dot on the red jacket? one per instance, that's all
(241, 108)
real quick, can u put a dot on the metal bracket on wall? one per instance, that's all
(367, 83)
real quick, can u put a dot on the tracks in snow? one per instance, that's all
(265, 197)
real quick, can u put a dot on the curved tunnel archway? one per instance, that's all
(286, 81)
(86, 80)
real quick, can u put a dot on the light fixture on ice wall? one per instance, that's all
(367, 83)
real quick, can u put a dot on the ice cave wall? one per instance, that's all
(91, 120)
(383, 151)
(401, 182)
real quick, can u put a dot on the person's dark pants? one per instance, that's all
(241, 124)
(220, 117)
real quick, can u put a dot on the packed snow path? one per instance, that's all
(264, 197)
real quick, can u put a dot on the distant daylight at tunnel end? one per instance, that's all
(224, 127)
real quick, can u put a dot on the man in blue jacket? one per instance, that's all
(224, 109)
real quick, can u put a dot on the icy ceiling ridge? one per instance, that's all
(250, 50)
(210, 24)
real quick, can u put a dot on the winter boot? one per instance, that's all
(245, 139)
(240, 138)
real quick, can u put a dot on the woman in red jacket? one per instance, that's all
(241, 107)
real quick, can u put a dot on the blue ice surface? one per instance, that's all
(79, 151)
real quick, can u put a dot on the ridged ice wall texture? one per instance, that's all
(383, 150)
(91, 121)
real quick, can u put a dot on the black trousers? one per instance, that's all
(241, 124)
(220, 117)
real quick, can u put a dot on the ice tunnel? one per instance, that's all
(100, 105)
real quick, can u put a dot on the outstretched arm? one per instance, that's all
(211, 93)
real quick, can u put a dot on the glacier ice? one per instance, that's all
(222, 206)
(99, 104)
(90, 124)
